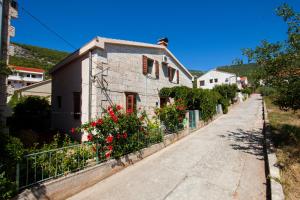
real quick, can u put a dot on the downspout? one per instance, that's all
(90, 86)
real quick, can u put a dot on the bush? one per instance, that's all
(118, 132)
(172, 115)
(266, 91)
(228, 93)
(11, 151)
(247, 90)
(30, 114)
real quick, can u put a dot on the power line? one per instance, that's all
(48, 28)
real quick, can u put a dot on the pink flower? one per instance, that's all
(129, 111)
(109, 139)
(118, 136)
(119, 107)
(125, 135)
(90, 137)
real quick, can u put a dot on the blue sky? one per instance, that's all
(202, 34)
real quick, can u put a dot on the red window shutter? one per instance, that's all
(145, 65)
(177, 76)
(130, 103)
(156, 69)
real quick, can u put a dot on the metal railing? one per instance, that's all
(38, 167)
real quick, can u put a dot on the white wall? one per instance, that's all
(223, 78)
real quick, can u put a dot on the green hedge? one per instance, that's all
(228, 93)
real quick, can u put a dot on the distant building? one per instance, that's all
(244, 81)
(40, 89)
(24, 76)
(215, 77)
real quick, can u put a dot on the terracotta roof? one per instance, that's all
(29, 69)
(243, 78)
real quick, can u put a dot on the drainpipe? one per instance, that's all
(90, 86)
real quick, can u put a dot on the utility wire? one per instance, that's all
(48, 28)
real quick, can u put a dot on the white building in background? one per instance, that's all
(24, 76)
(215, 77)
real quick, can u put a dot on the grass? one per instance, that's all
(285, 128)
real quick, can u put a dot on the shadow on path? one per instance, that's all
(250, 142)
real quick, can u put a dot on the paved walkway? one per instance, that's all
(221, 161)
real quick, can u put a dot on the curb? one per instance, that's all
(274, 187)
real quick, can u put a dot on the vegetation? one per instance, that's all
(118, 132)
(280, 62)
(202, 99)
(285, 127)
(37, 57)
(249, 70)
(30, 120)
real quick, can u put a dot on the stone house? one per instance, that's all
(215, 77)
(109, 71)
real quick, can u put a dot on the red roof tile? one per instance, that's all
(27, 69)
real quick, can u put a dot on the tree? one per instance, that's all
(280, 62)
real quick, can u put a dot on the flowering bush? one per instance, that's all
(118, 132)
(172, 115)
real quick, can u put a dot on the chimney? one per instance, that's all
(163, 42)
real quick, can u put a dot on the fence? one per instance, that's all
(41, 166)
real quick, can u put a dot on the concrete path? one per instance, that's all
(221, 161)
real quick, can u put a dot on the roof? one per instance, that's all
(244, 78)
(99, 42)
(28, 69)
(217, 70)
(34, 85)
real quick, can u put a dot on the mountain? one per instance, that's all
(196, 73)
(36, 57)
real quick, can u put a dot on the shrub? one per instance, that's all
(247, 90)
(172, 115)
(118, 132)
(208, 100)
(266, 91)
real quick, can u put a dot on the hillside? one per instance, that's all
(37, 57)
(241, 70)
(196, 73)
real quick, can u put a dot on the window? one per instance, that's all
(216, 80)
(33, 76)
(147, 65)
(76, 105)
(202, 83)
(8, 82)
(59, 101)
(211, 80)
(171, 73)
(28, 75)
(226, 80)
(130, 102)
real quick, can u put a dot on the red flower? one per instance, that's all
(118, 136)
(119, 107)
(109, 147)
(125, 135)
(109, 139)
(129, 111)
(109, 108)
(99, 122)
(93, 124)
(107, 155)
(114, 118)
(90, 137)
(73, 130)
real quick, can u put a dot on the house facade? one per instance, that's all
(108, 71)
(24, 76)
(215, 77)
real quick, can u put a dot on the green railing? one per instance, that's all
(41, 166)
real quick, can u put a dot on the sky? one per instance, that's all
(202, 34)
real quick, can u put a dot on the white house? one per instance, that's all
(215, 77)
(106, 71)
(24, 76)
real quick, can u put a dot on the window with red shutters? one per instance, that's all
(157, 69)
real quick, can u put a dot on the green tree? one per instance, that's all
(280, 62)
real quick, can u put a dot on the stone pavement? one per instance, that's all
(223, 160)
